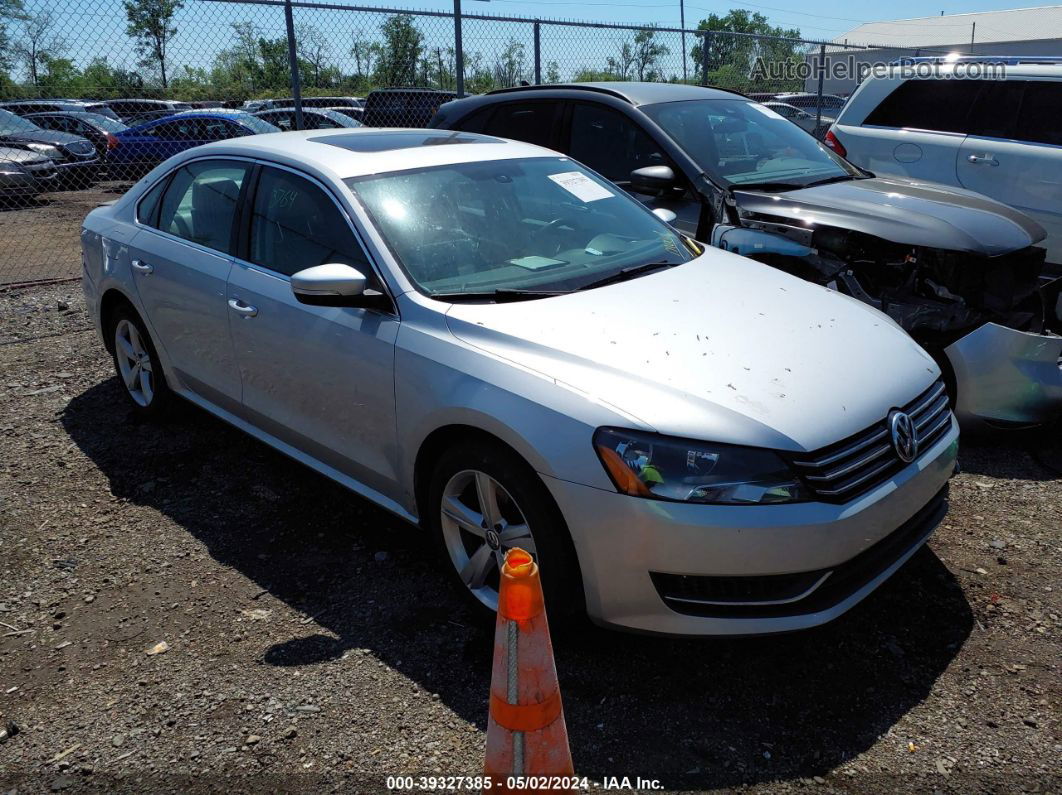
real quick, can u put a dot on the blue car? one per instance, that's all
(139, 149)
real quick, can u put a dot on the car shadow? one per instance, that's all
(1028, 454)
(695, 714)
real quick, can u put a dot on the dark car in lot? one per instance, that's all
(24, 174)
(312, 118)
(403, 107)
(958, 271)
(74, 156)
(139, 149)
(132, 110)
(95, 127)
(24, 107)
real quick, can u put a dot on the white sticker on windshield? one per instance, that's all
(581, 186)
(765, 110)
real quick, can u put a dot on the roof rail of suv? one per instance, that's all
(1006, 60)
(598, 89)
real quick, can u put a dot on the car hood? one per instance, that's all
(903, 211)
(52, 137)
(721, 348)
(24, 157)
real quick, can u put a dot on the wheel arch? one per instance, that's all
(111, 300)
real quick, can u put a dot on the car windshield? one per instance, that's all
(11, 123)
(744, 143)
(540, 224)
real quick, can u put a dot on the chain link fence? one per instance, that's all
(94, 95)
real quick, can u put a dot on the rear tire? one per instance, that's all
(521, 513)
(137, 363)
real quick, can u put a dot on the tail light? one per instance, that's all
(112, 142)
(832, 141)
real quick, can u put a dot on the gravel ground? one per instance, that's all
(312, 643)
(39, 237)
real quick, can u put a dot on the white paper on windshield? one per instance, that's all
(765, 110)
(581, 186)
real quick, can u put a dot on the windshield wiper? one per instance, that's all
(828, 180)
(632, 272)
(498, 296)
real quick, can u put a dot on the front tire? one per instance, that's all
(137, 364)
(484, 500)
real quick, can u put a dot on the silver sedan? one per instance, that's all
(497, 344)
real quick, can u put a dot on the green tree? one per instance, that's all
(399, 53)
(739, 52)
(10, 10)
(511, 64)
(647, 52)
(37, 42)
(552, 72)
(150, 24)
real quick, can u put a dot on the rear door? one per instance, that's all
(1014, 151)
(915, 131)
(181, 260)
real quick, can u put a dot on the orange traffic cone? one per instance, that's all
(527, 740)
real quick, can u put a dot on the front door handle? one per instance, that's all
(240, 308)
(141, 266)
(985, 160)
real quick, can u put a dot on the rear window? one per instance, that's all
(937, 105)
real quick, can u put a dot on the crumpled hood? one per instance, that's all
(904, 211)
(722, 348)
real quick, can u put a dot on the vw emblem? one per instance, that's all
(902, 434)
(493, 539)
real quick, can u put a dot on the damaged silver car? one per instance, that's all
(961, 273)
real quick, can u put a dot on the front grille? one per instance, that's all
(853, 466)
(781, 595)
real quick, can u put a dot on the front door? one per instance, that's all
(318, 378)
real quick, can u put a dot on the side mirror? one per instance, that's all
(664, 214)
(333, 284)
(653, 180)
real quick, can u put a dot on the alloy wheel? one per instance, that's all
(134, 363)
(480, 522)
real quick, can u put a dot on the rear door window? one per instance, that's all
(199, 204)
(296, 225)
(936, 105)
(995, 109)
(1041, 110)
(532, 122)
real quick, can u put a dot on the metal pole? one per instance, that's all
(293, 64)
(459, 55)
(822, 70)
(682, 24)
(973, 31)
(538, 54)
(705, 41)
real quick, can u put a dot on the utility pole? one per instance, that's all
(459, 53)
(293, 63)
(682, 24)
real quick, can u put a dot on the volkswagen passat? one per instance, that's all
(492, 341)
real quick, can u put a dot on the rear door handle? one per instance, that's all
(240, 308)
(142, 267)
(986, 160)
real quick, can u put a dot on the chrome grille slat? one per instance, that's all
(853, 466)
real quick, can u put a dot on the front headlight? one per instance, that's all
(46, 150)
(666, 468)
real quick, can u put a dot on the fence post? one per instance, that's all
(459, 53)
(822, 72)
(538, 54)
(706, 41)
(293, 63)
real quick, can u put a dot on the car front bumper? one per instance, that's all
(18, 184)
(1005, 377)
(646, 564)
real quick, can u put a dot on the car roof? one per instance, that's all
(633, 92)
(234, 114)
(360, 151)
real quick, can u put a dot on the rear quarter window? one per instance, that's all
(939, 105)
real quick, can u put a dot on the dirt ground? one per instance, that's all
(39, 237)
(314, 644)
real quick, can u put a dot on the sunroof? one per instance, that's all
(403, 139)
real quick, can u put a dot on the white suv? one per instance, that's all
(998, 137)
